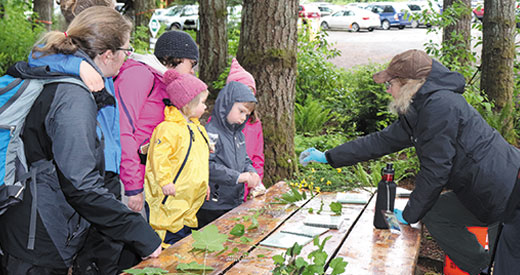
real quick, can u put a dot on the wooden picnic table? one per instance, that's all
(366, 249)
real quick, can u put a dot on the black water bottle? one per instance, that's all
(385, 196)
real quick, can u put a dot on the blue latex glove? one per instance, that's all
(312, 155)
(399, 215)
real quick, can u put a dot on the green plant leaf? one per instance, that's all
(238, 230)
(278, 259)
(338, 266)
(209, 238)
(300, 262)
(336, 207)
(254, 223)
(146, 271)
(193, 266)
(245, 239)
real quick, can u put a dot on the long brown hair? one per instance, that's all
(95, 30)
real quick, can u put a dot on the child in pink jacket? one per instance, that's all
(253, 128)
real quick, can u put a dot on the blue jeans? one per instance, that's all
(171, 238)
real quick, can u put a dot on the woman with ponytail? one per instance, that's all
(60, 132)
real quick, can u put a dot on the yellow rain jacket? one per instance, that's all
(178, 153)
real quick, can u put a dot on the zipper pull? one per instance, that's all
(11, 130)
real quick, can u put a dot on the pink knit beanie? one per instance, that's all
(182, 88)
(238, 74)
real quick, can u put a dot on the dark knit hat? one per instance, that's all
(176, 44)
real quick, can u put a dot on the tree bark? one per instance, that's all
(143, 11)
(267, 49)
(44, 10)
(498, 54)
(461, 25)
(213, 43)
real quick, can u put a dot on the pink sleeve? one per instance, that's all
(255, 145)
(132, 88)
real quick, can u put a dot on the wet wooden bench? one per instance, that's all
(366, 249)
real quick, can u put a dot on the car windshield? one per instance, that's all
(174, 11)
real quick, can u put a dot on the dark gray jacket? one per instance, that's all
(457, 149)
(60, 129)
(230, 158)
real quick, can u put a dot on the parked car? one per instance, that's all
(352, 19)
(392, 14)
(326, 8)
(478, 10)
(179, 17)
(417, 8)
(308, 12)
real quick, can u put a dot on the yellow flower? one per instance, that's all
(291, 183)
(303, 181)
(312, 170)
(322, 179)
(312, 183)
(328, 182)
(305, 185)
(300, 186)
(317, 189)
(338, 169)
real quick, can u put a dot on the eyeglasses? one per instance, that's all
(388, 83)
(128, 51)
(193, 63)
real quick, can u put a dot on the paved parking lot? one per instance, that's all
(379, 46)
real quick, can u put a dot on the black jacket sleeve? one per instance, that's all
(391, 139)
(71, 125)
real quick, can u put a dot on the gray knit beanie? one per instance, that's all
(176, 44)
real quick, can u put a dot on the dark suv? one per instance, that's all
(392, 14)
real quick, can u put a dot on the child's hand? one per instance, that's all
(244, 177)
(169, 189)
(91, 77)
(254, 180)
(208, 192)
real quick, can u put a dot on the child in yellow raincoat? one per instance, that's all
(177, 168)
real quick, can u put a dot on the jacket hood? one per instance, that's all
(150, 60)
(441, 78)
(231, 93)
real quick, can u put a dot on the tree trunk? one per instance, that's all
(44, 10)
(213, 43)
(498, 54)
(267, 49)
(143, 10)
(460, 26)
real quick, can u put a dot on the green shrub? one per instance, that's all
(18, 34)
(311, 117)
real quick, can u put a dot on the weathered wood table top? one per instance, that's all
(366, 249)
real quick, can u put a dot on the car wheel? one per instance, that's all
(385, 25)
(415, 24)
(324, 26)
(401, 27)
(175, 26)
(355, 27)
(370, 29)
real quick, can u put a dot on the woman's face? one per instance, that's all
(110, 62)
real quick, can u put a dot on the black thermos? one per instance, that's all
(385, 196)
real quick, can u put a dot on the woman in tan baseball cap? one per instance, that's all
(458, 152)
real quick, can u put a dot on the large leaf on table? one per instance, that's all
(209, 239)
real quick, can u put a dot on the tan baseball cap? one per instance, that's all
(411, 64)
